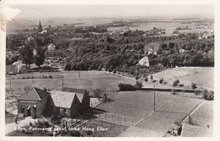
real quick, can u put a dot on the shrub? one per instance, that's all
(193, 86)
(176, 82)
(126, 87)
(50, 76)
(181, 85)
(208, 95)
(161, 80)
(139, 84)
(146, 79)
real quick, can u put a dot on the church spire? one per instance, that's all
(39, 27)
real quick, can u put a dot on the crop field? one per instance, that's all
(85, 80)
(129, 107)
(201, 76)
(174, 110)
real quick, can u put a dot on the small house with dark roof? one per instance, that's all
(69, 104)
(39, 102)
(33, 102)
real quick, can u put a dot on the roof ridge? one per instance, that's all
(34, 88)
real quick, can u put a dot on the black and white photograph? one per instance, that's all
(109, 70)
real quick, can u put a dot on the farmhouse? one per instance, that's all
(69, 104)
(151, 48)
(37, 102)
(50, 48)
(144, 62)
(33, 102)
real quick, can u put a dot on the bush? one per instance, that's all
(181, 85)
(146, 79)
(193, 86)
(139, 84)
(161, 80)
(176, 82)
(208, 95)
(126, 87)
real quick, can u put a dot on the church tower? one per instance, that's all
(39, 27)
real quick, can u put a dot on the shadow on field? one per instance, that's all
(98, 111)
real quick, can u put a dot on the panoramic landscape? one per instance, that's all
(129, 71)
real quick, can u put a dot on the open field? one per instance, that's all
(175, 110)
(129, 107)
(135, 109)
(201, 76)
(202, 119)
(87, 80)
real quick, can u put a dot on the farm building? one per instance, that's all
(151, 48)
(37, 102)
(144, 62)
(33, 102)
(69, 104)
(51, 47)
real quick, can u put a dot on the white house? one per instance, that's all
(144, 62)
(50, 47)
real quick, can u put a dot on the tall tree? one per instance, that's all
(26, 53)
(39, 56)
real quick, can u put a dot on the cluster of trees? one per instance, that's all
(194, 53)
(114, 52)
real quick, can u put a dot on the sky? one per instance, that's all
(111, 11)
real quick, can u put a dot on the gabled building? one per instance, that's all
(144, 61)
(33, 102)
(37, 102)
(69, 104)
(51, 48)
(151, 48)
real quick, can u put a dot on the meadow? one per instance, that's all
(85, 80)
(137, 109)
(201, 76)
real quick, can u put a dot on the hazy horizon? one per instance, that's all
(113, 11)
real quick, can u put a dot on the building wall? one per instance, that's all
(45, 105)
(26, 103)
(75, 108)
(85, 106)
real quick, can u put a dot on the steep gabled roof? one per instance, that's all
(144, 61)
(62, 99)
(33, 94)
(80, 96)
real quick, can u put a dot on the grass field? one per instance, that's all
(131, 105)
(202, 119)
(135, 108)
(201, 76)
(87, 80)
(175, 110)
